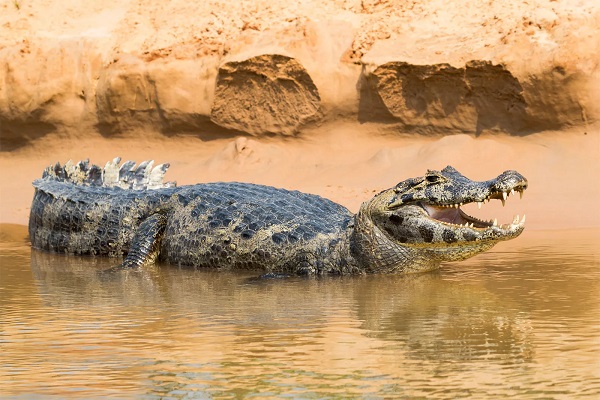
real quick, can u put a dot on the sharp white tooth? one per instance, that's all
(479, 205)
(503, 201)
(512, 192)
(504, 196)
(495, 221)
(521, 193)
(523, 220)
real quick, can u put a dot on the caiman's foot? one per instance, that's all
(114, 271)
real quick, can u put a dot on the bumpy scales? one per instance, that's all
(127, 211)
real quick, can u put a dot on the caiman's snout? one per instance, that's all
(509, 181)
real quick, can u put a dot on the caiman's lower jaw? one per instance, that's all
(456, 218)
(453, 217)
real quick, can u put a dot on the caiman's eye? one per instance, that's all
(432, 178)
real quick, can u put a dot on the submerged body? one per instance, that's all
(129, 212)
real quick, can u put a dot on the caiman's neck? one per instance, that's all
(375, 252)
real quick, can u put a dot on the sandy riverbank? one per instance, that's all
(348, 163)
(339, 98)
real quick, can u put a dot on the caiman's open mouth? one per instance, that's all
(452, 215)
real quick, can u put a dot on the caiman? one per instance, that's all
(131, 212)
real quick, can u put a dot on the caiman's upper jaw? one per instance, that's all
(452, 215)
(497, 194)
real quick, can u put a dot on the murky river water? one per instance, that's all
(522, 320)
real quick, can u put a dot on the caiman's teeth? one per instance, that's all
(503, 202)
(521, 193)
(512, 192)
(504, 196)
(516, 220)
(495, 222)
(523, 220)
(479, 204)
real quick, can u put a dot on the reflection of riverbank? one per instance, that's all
(519, 317)
(419, 304)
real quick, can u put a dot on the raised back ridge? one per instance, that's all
(126, 176)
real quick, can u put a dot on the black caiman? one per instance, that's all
(128, 211)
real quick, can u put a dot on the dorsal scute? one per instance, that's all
(125, 176)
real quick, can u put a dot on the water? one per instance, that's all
(522, 320)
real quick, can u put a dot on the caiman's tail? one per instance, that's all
(126, 176)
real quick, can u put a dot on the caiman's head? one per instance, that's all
(421, 219)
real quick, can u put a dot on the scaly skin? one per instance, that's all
(127, 211)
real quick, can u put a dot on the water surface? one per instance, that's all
(522, 320)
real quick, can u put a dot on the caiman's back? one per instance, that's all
(118, 211)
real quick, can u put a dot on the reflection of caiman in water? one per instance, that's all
(428, 316)
(82, 209)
